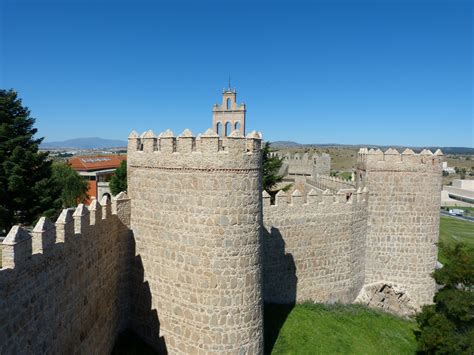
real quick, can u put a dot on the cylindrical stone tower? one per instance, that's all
(403, 219)
(196, 216)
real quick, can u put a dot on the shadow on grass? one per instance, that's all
(274, 317)
(279, 285)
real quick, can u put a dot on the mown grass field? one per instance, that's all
(337, 329)
(452, 231)
(350, 329)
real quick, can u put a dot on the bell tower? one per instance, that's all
(228, 116)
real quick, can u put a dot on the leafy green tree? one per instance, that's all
(73, 186)
(27, 189)
(118, 182)
(447, 327)
(271, 165)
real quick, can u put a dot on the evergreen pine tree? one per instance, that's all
(270, 166)
(27, 189)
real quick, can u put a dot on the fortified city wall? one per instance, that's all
(187, 261)
(332, 183)
(403, 219)
(196, 216)
(64, 286)
(314, 250)
(304, 164)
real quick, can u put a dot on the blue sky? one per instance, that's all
(373, 72)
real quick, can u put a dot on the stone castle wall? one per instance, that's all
(187, 261)
(314, 246)
(322, 164)
(304, 164)
(403, 219)
(63, 287)
(332, 183)
(196, 216)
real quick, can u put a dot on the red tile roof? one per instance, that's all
(98, 162)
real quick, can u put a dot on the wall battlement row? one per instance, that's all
(65, 286)
(304, 164)
(316, 197)
(314, 250)
(20, 245)
(333, 183)
(303, 157)
(391, 159)
(207, 152)
(186, 143)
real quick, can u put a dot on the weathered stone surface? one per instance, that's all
(189, 257)
(68, 294)
(388, 297)
(403, 219)
(196, 223)
(314, 251)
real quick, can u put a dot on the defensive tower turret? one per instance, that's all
(403, 218)
(196, 217)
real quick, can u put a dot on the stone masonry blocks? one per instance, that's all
(196, 221)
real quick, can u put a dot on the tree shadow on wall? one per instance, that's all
(279, 285)
(142, 335)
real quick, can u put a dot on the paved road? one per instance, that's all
(463, 218)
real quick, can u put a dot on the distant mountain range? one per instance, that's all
(400, 148)
(85, 143)
(101, 143)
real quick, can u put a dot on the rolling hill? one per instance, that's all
(85, 143)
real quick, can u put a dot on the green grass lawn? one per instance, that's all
(468, 211)
(337, 329)
(346, 175)
(452, 231)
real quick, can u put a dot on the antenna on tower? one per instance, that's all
(229, 83)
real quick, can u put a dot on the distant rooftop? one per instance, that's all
(92, 163)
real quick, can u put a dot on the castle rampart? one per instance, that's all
(403, 218)
(63, 287)
(304, 164)
(314, 246)
(332, 183)
(187, 261)
(196, 216)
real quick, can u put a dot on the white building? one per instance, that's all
(460, 193)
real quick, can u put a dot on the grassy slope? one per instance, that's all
(452, 231)
(341, 329)
(350, 329)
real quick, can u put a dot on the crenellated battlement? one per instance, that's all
(306, 157)
(391, 159)
(403, 218)
(186, 143)
(304, 164)
(206, 151)
(324, 232)
(316, 197)
(196, 211)
(20, 245)
(333, 183)
(70, 280)
(187, 258)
